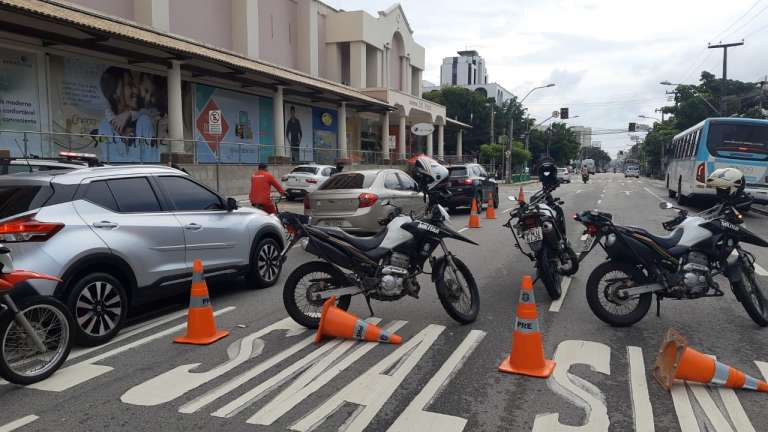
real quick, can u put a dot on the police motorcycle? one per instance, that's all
(386, 266)
(681, 265)
(541, 224)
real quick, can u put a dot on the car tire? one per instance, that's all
(265, 264)
(99, 307)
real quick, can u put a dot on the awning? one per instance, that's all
(59, 24)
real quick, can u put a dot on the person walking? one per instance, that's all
(262, 182)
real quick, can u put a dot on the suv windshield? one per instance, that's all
(348, 181)
(457, 171)
(738, 141)
(19, 199)
(306, 169)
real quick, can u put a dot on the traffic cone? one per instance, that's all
(336, 322)
(474, 218)
(490, 212)
(201, 325)
(676, 360)
(521, 195)
(527, 356)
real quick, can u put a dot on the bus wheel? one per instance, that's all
(681, 199)
(670, 192)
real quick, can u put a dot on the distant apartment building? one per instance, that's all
(468, 70)
(583, 135)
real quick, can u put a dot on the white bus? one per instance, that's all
(590, 164)
(717, 143)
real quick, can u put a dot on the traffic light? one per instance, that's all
(563, 113)
(632, 126)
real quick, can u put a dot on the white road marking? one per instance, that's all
(371, 390)
(654, 194)
(78, 373)
(577, 390)
(463, 229)
(599, 201)
(760, 270)
(577, 191)
(8, 427)
(414, 417)
(180, 380)
(565, 283)
(627, 192)
(641, 402)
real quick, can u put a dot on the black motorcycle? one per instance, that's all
(383, 267)
(681, 266)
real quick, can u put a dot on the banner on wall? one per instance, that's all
(298, 132)
(324, 124)
(242, 136)
(19, 103)
(122, 113)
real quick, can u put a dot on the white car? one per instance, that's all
(564, 175)
(305, 179)
(632, 171)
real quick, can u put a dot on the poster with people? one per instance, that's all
(19, 103)
(324, 123)
(298, 132)
(238, 138)
(119, 114)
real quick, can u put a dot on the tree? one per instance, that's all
(559, 139)
(656, 142)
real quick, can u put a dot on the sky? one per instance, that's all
(606, 57)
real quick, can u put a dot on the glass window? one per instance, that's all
(392, 182)
(190, 196)
(326, 172)
(305, 169)
(407, 182)
(348, 181)
(99, 194)
(134, 195)
(457, 171)
(19, 199)
(738, 140)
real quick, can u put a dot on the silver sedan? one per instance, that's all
(354, 200)
(306, 178)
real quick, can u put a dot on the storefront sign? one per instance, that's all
(19, 102)
(422, 129)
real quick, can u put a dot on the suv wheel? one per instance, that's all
(99, 306)
(265, 264)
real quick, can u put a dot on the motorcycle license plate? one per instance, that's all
(588, 242)
(533, 235)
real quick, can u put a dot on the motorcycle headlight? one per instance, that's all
(610, 240)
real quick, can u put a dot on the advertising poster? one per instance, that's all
(121, 113)
(298, 132)
(241, 126)
(324, 123)
(266, 132)
(19, 103)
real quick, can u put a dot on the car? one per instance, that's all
(564, 175)
(632, 171)
(468, 181)
(355, 201)
(305, 178)
(65, 161)
(123, 236)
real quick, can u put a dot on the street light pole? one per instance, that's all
(695, 93)
(508, 170)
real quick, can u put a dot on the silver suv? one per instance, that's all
(122, 236)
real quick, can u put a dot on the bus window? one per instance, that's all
(738, 141)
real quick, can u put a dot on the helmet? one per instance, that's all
(426, 171)
(547, 174)
(726, 180)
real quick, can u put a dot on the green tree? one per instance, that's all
(559, 139)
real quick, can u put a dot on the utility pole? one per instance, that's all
(725, 47)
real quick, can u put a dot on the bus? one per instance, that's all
(590, 164)
(714, 143)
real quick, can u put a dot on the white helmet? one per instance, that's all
(427, 171)
(727, 179)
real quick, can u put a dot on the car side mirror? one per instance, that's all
(665, 205)
(231, 204)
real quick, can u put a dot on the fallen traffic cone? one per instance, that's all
(490, 212)
(676, 360)
(474, 218)
(201, 325)
(527, 356)
(336, 322)
(521, 195)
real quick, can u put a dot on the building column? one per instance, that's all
(385, 135)
(153, 13)
(357, 64)
(403, 74)
(245, 27)
(401, 137)
(378, 77)
(333, 62)
(343, 131)
(440, 142)
(306, 35)
(417, 87)
(385, 79)
(430, 145)
(175, 115)
(459, 150)
(278, 123)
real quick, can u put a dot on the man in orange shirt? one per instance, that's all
(261, 183)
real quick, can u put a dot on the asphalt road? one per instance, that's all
(268, 376)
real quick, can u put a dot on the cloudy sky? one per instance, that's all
(605, 56)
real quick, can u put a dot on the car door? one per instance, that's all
(220, 238)
(412, 195)
(128, 216)
(393, 190)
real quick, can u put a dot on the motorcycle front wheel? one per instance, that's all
(607, 304)
(307, 279)
(21, 362)
(457, 291)
(752, 296)
(548, 274)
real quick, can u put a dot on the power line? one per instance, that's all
(748, 22)
(739, 19)
(756, 31)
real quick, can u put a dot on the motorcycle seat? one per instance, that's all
(666, 242)
(362, 243)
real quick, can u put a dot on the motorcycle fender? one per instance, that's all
(437, 267)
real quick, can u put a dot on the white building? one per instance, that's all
(468, 70)
(583, 135)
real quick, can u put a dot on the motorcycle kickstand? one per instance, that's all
(368, 302)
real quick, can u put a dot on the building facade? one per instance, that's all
(583, 135)
(468, 70)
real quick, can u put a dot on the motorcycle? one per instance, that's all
(585, 178)
(384, 267)
(679, 266)
(35, 333)
(541, 224)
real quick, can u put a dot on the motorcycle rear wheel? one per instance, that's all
(599, 301)
(547, 271)
(316, 276)
(752, 296)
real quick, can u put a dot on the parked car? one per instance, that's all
(564, 175)
(66, 161)
(354, 200)
(469, 181)
(121, 236)
(632, 171)
(305, 178)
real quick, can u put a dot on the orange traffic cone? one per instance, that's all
(474, 218)
(336, 322)
(201, 325)
(527, 356)
(676, 360)
(490, 212)
(521, 195)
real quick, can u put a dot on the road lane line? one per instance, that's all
(760, 270)
(654, 194)
(8, 427)
(557, 304)
(641, 402)
(599, 201)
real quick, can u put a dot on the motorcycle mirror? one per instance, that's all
(665, 205)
